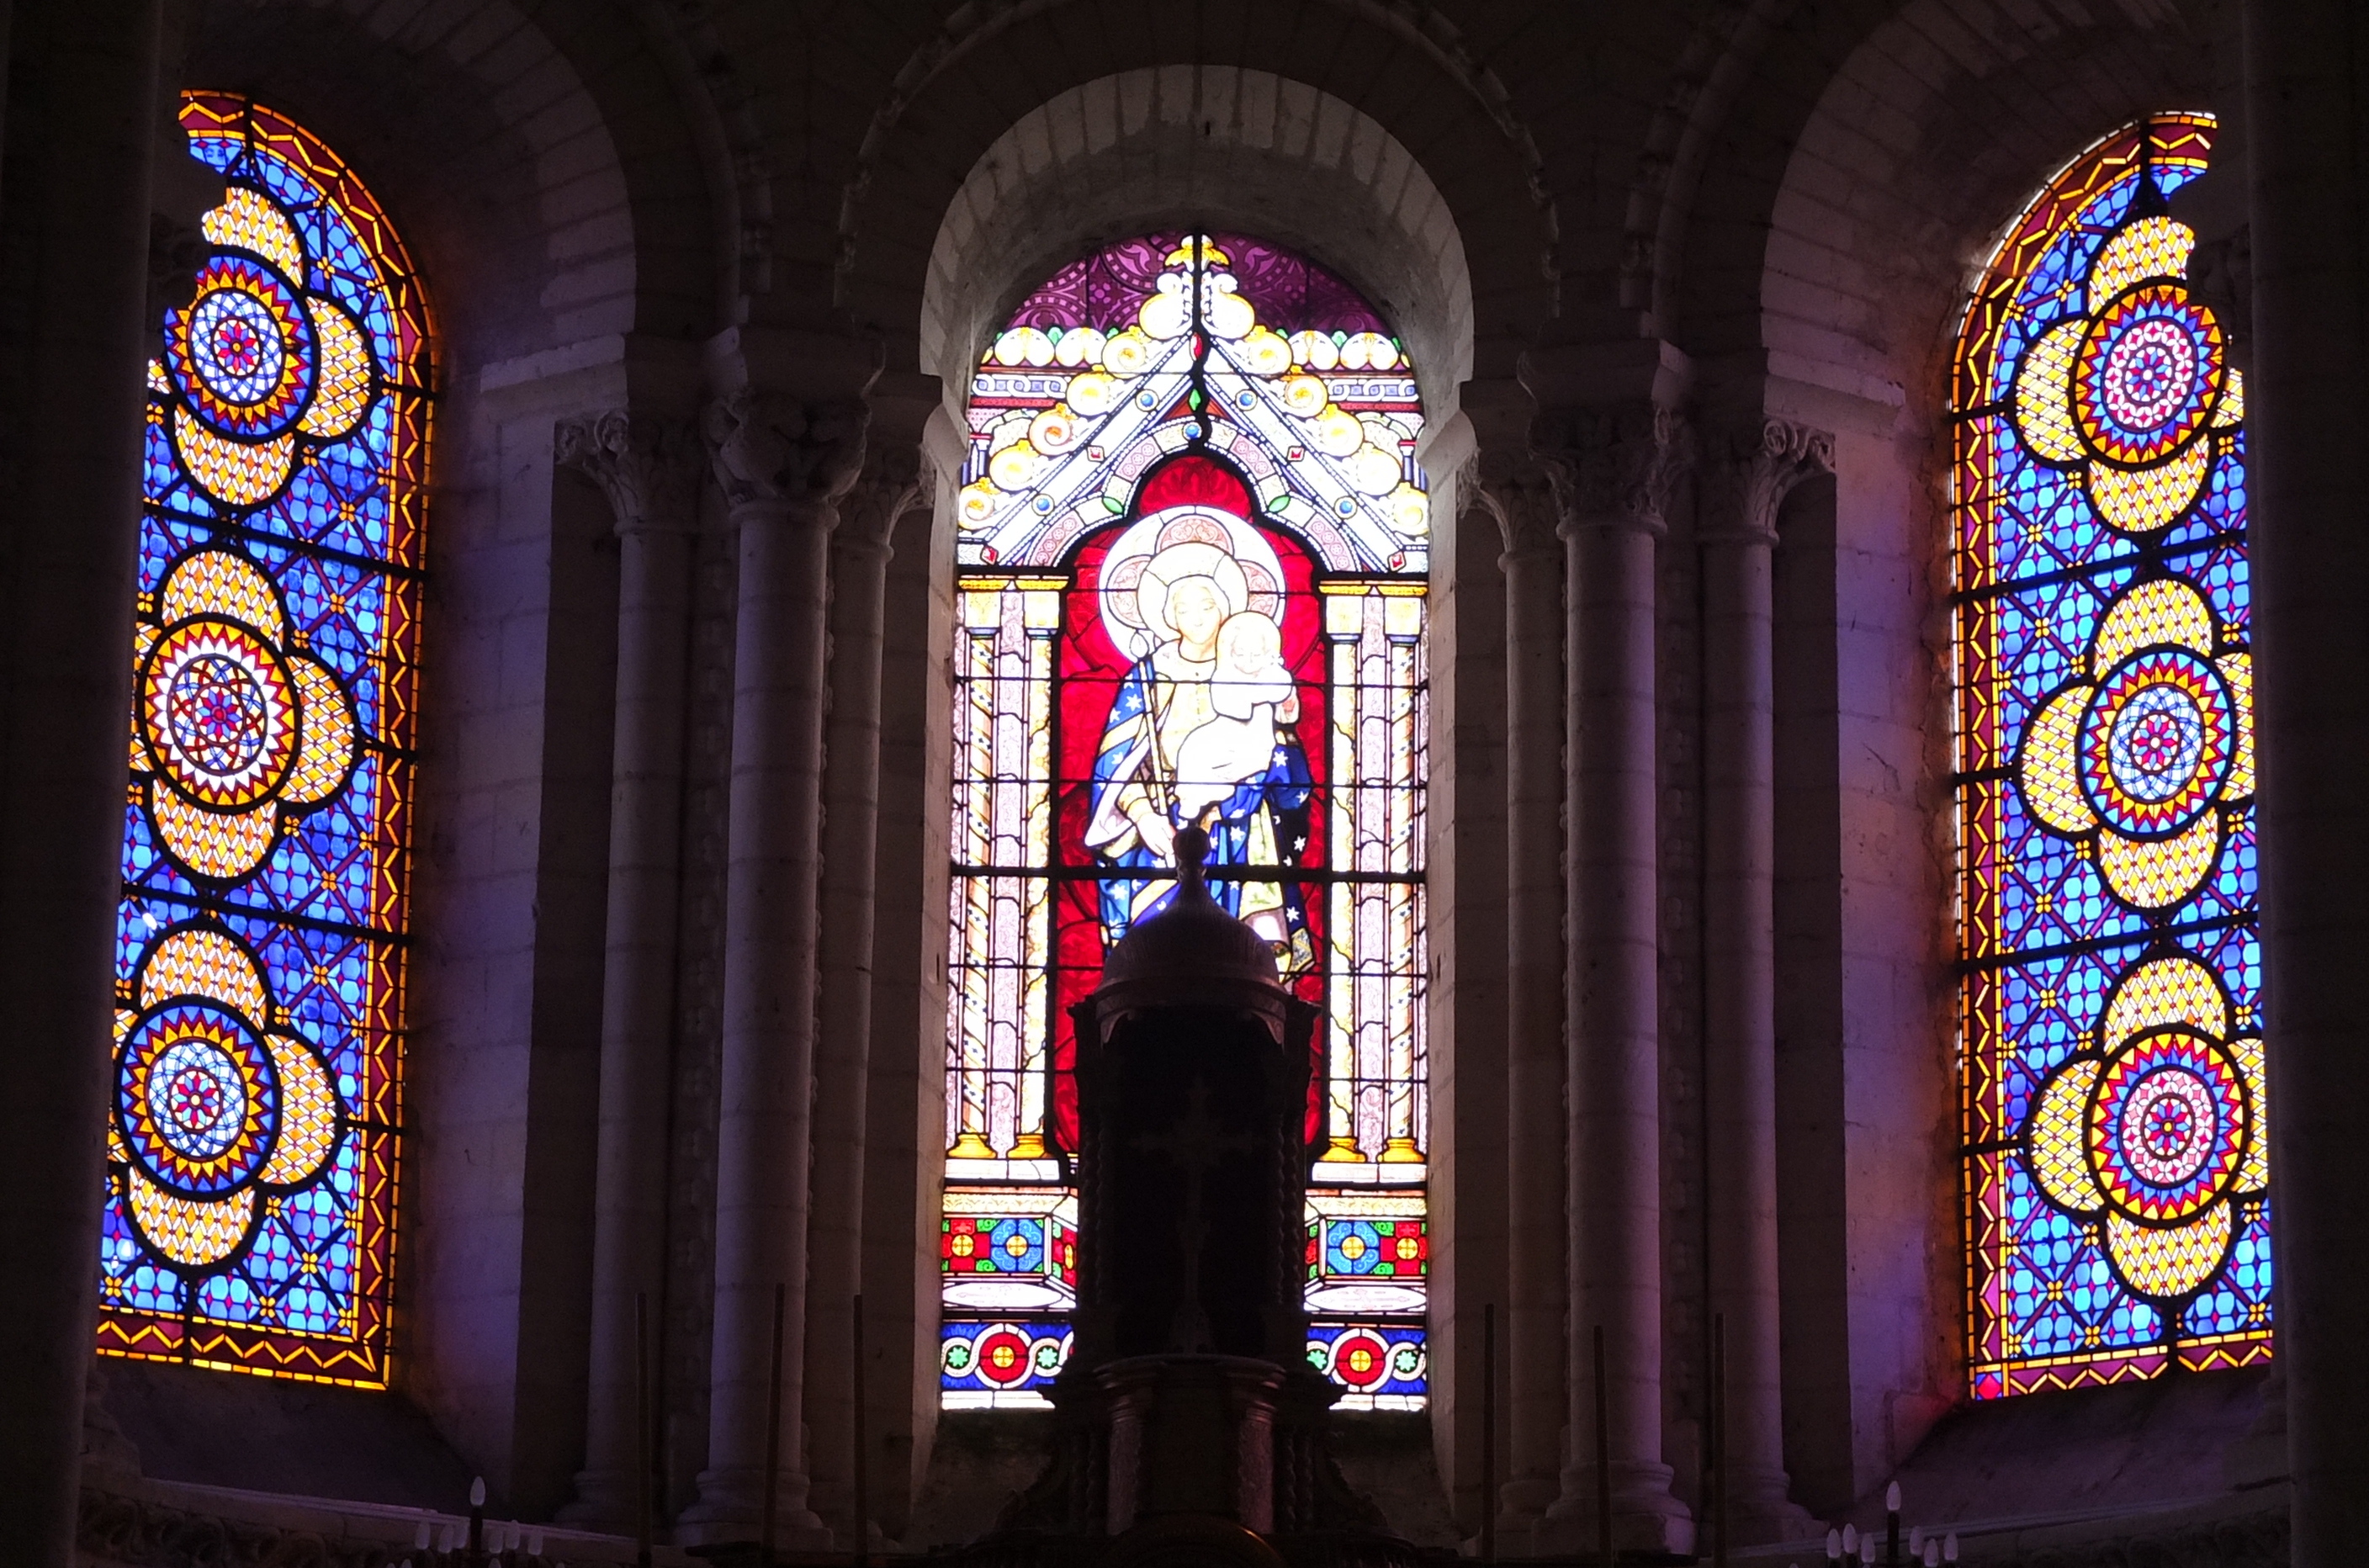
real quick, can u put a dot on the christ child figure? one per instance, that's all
(1250, 693)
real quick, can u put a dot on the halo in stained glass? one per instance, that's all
(249, 1220)
(2116, 1158)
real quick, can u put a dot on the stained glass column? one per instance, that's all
(859, 570)
(2309, 108)
(81, 123)
(1616, 469)
(783, 462)
(1524, 505)
(646, 467)
(1738, 531)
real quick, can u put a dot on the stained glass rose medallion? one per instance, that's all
(213, 1109)
(2127, 393)
(234, 731)
(2157, 1135)
(2146, 752)
(258, 359)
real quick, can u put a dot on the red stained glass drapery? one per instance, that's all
(1191, 548)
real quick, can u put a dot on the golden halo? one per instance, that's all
(1177, 563)
(1161, 547)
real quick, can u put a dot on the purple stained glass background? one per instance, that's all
(1104, 290)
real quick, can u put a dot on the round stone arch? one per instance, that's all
(571, 214)
(1259, 153)
(1846, 186)
(1405, 67)
(1814, 251)
(546, 201)
(1226, 148)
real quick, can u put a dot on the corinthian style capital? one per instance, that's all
(774, 450)
(1519, 495)
(649, 467)
(1750, 475)
(886, 489)
(1611, 467)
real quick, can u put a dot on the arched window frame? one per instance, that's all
(2110, 939)
(263, 930)
(1116, 390)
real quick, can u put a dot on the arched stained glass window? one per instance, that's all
(2117, 1155)
(251, 1176)
(1192, 548)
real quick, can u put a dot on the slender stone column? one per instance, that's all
(73, 249)
(1524, 506)
(1614, 473)
(783, 464)
(2308, 116)
(1738, 531)
(859, 567)
(648, 468)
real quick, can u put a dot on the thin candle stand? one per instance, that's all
(1847, 1546)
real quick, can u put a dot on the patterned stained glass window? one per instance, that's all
(1191, 570)
(254, 1128)
(2117, 1167)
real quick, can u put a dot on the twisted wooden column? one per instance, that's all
(648, 468)
(783, 465)
(1743, 487)
(859, 567)
(1613, 471)
(1523, 503)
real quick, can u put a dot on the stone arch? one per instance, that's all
(565, 182)
(1234, 149)
(1406, 70)
(1816, 259)
(551, 197)
(1851, 167)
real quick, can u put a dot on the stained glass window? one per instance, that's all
(1191, 570)
(253, 1129)
(2117, 1166)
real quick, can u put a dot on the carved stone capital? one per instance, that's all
(1611, 468)
(888, 488)
(1520, 496)
(772, 451)
(649, 467)
(1750, 475)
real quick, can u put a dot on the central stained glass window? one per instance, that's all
(249, 1218)
(2117, 1147)
(1192, 556)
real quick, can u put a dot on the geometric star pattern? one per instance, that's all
(2115, 1099)
(254, 1141)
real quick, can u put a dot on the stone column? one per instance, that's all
(783, 463)
(859, 567)
(1524, 506)
(1737, 528)
(73, 249)
(648, 469)
(1613, 470)
(2309, 113)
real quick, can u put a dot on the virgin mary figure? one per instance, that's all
(1200, 732)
